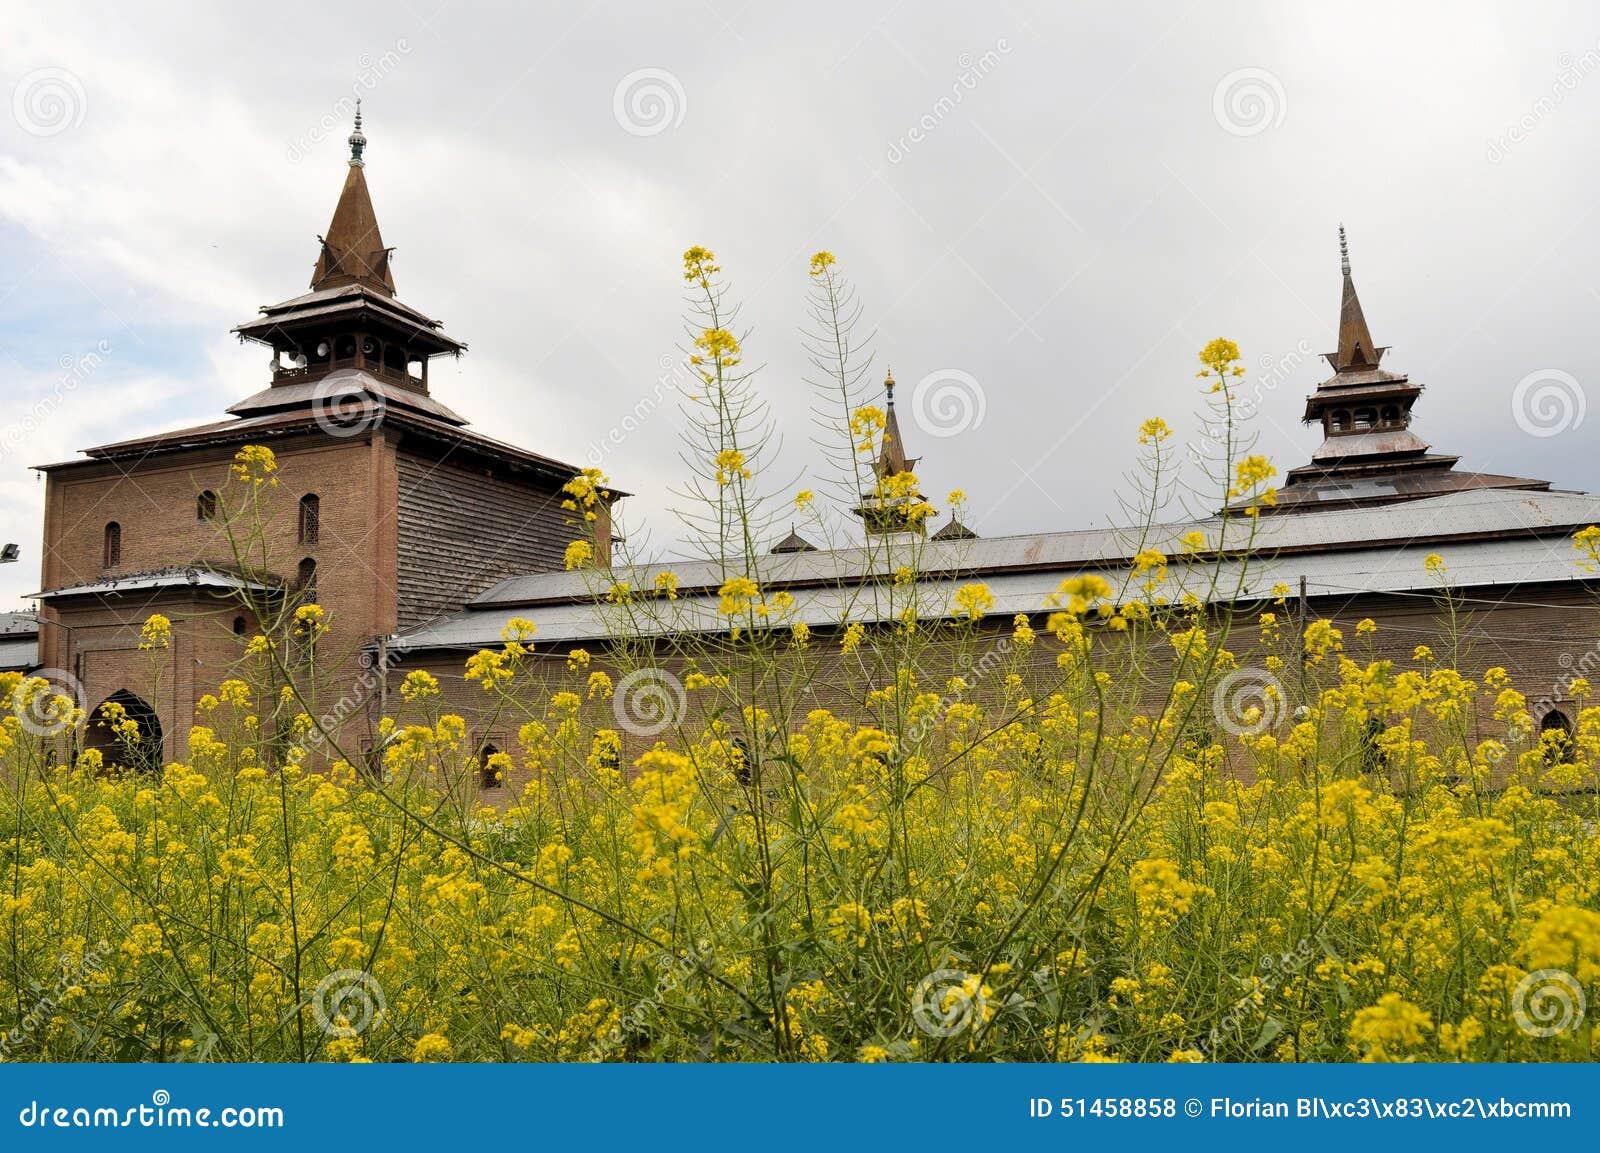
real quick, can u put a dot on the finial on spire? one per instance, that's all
(888, 384)
(1344, 252)
(358, 140)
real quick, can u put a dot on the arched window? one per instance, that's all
(113, 544)
(1366, 418)
(305, 581)
(1555, 732)
(1391, 415)
(488, 775)
(205, 506)
(310, 518)
(1341, 420)
(238, 626)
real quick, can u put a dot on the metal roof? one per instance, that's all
(163, 578)
(1488, 538)
(1477, 564)
(326, 390)
(18, 623)
(1484, 512)
(18, 654)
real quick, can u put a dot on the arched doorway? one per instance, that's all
(1555, 733)
(137, 748)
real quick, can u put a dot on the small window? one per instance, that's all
(310, 518)
(305, 580)
(113, 545)
(1391, 415)
(488, 775)
(205, 506)
(1341, 420)
(238, 626)
(1366, 418)
(1555, 732)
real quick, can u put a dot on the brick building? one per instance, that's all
(389, 510)
(422, 538)
(1348, 536)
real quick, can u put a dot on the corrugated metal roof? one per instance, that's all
(24, 622)
(1472, 513)
(165, 578)
(1477, 564)
(1486, 538)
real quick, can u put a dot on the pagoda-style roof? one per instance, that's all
(794, 542)
(955, 530)
(352, 288)
(352, 387)
(352, 305)
(882, 514)
(1370, 454)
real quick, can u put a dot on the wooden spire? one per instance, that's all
(353, 250)
(892, 460)
(1356, 350)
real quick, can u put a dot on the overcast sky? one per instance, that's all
(1046, 208)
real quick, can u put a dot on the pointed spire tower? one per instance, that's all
(885, 509)
(350, 323)
(1356, 350)
(353, 251)
(1369, 453)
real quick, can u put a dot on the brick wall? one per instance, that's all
(1540, 635)
(154, 500)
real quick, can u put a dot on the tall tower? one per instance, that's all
(388, 510)
(349, 327)
(1369, 452)
(882, 510)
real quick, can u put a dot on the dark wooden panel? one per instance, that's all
(462, 530)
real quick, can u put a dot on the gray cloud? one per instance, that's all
(1063, 202)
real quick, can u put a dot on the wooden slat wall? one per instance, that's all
(462, 530)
